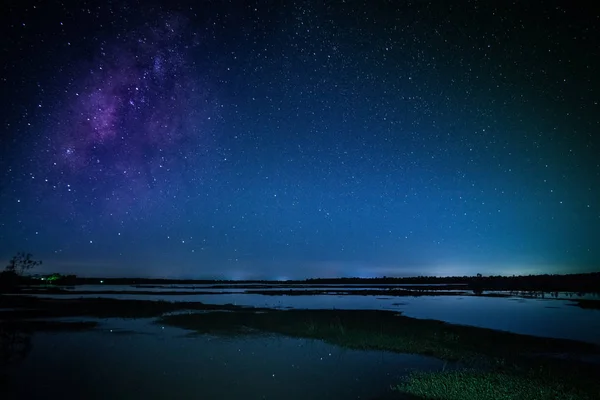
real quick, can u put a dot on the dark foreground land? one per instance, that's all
(481, 363)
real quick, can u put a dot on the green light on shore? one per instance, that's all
(101, 281)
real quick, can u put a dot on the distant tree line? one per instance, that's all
(589, 282)
(583, 283)
(14, 275)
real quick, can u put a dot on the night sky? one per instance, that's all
(294, 139)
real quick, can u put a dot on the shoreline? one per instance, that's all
(480, 354)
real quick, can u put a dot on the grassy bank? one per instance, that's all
(485, 385)
(507, 366)
(371, 329)
(33, 307)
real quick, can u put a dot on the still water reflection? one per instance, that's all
(129, 359)
(533, 316)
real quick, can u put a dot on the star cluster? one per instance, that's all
(295, 139)
(137, 114)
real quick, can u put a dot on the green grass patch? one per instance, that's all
(469, 385)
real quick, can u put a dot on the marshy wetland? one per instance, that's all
(299, 200)
(317, 341)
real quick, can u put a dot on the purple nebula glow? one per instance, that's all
(127, 116)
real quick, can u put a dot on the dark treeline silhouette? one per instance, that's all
(580, 283)
(589, 282)
(569, 282)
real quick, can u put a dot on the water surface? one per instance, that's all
(533, 316)
(127, 359)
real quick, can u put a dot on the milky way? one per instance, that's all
(296, 139)
(133, 118)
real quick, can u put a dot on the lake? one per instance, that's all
(548, 317)
(127, 359)
(124, 358)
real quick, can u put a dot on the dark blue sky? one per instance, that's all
(292, 139)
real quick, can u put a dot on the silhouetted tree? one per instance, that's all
(21, 263)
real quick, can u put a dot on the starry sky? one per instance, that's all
(294, 139)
